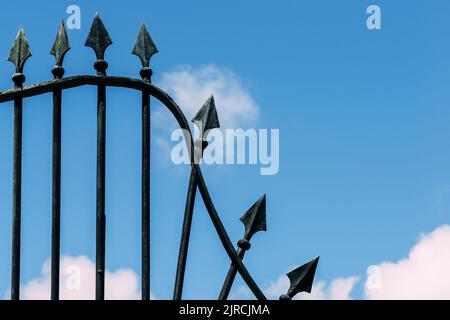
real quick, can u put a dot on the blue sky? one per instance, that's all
(364, 136)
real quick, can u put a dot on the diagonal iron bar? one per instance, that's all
(254, 221)
(224, 238)
(206, 119)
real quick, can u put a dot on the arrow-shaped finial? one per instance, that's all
(301, 279)
(61, 45)
(255, 218)
(20, 51)
(98, 38)
(144, 47)
(206, 118)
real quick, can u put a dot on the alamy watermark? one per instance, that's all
(231, 147)
(373, 22)
(73, 280)
(374, 278)
(74, 19)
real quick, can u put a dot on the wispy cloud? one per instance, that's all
(191, 87)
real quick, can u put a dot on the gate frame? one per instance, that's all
(98, 39)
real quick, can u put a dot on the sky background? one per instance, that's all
(364, 138)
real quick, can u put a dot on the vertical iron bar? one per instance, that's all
(16, 205)
(101, 218)
(185, 235)
(146, 75)
(56, 194)
(99, 39)
(20, 52)
(228, 283)
(18, 79)
(59, 50)
(145, 195)
(144, 48)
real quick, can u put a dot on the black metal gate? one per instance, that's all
(99, 39)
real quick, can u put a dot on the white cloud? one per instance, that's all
(191, 87)
(424, 274)
(338, 289)
(77, 282)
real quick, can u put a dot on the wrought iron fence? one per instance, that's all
(98, 39)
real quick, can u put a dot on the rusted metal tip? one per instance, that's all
(61, 45)
(98, 38)
(206, 118)
(20, 51)
(254, 219)
(144, 47)
(301, 279)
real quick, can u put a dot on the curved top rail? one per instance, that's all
(164, 98)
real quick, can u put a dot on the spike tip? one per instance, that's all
(144, 47)
(61, 45)
(20, 51)
(301, 279)
(206, 118)
(98, 38)
(254, 219)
